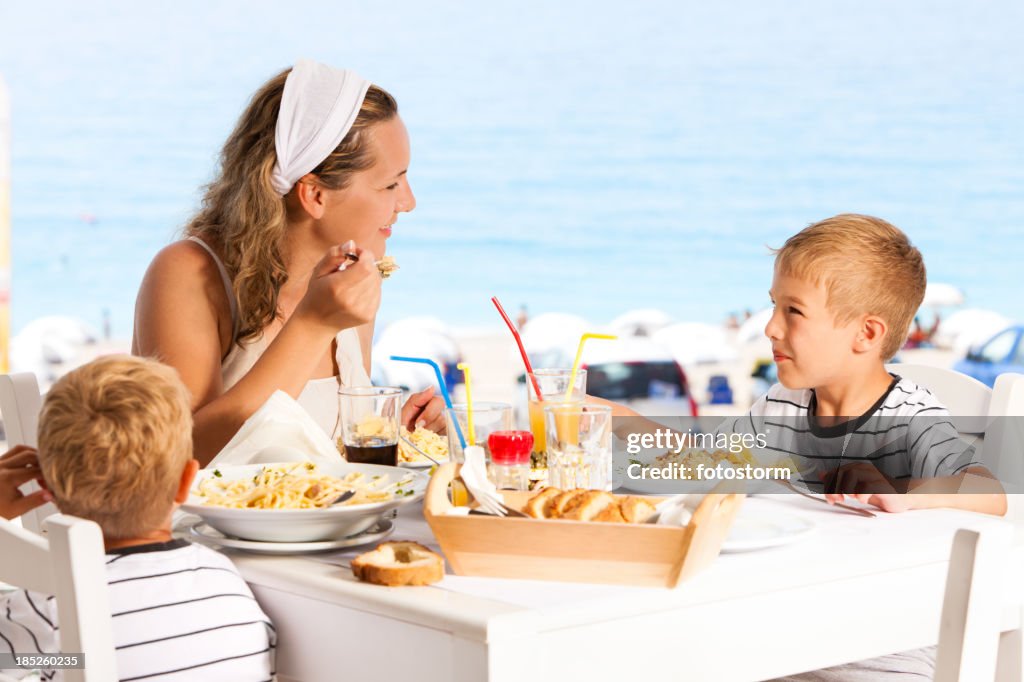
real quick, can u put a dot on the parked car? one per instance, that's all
(642, 375)
(1004, 352)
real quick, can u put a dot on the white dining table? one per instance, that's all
(852, 589)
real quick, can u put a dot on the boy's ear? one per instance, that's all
(870, 335)
(187, 476)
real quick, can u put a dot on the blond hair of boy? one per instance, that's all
(867, 267)
(115, 446)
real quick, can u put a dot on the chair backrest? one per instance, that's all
(966, 398)
(1004, 438)
(70, 564)
(20, 403)
(969, 629)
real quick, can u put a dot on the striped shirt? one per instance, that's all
(181, 612)
(907, 434)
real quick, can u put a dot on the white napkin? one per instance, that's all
(474, 475)
(279, 431)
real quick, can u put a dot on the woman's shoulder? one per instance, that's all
(185, 258)
(184, 280)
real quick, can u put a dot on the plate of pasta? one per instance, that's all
(292, 501)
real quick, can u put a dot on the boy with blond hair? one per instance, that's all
(115, 447)
(845, 291)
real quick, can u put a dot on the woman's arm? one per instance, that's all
(182, 314)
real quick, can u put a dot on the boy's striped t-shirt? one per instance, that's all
(906, 434)
(181, 612)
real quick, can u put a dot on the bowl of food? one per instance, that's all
(421, 448)
(294, 501)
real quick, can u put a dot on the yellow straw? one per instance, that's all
(579, 356)
(469, 404)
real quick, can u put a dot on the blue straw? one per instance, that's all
(440, 383)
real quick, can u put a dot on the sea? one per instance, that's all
(582, 157)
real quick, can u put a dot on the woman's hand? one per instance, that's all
(18, 466)
(341, 299)
(424, 409)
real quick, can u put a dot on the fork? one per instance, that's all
(418, 451)
(855, 510)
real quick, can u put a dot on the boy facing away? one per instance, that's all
(115, 447)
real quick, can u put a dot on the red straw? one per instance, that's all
(522, 351)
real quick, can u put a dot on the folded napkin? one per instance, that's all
(279, 431)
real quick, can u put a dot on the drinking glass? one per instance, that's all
(488, 417)
(553, 384)
(579, 448)
(369, 423)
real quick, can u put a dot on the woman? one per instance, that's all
(263, 293)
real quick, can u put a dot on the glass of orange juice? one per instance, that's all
(579, 448)
(553, 385)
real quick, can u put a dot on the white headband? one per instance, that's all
(318, 107)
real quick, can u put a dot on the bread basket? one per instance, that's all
(576, 551)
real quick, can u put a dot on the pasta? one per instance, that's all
(426, 440)
(692, 457)
(297, 486)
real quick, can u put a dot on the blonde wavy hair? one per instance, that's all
(243, 217)
(867, 265)
(114, 438)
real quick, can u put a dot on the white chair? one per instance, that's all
(70, 564)
(20, 403)
(982, 413)
(969, 629)
(967, 399)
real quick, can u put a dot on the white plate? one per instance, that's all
(305, 525)
(764, 529)
(199, 531)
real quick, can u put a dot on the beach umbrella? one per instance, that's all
(940, 294)
(640, 322)
(551, 339)
(48, 342)
(753, 328)
(969, 327)
(423, 337)
(696, 342)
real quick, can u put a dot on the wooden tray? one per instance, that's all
(576, 551)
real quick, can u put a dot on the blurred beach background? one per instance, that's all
(586, 158)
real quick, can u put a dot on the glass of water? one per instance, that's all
(579, 446)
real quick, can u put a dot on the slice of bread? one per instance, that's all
(588, 505)
(399, 563)
(556, 505)
(535, 507)
(610, 514)
(636, 509)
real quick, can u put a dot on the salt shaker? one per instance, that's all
(510, 459)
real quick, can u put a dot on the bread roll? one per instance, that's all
(399, 563)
